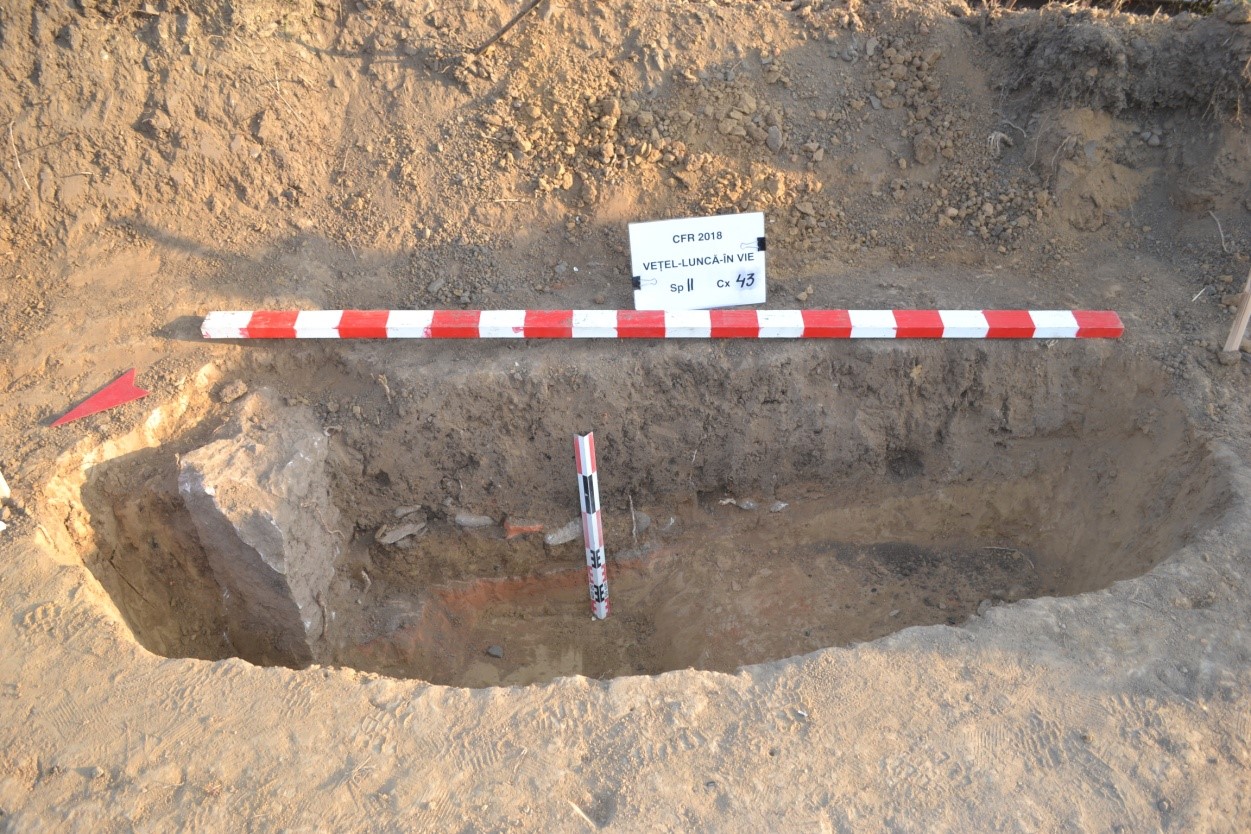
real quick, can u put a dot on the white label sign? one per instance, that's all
(698, 263)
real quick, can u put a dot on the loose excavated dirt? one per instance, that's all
(912, 586)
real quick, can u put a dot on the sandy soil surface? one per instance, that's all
(860, 587)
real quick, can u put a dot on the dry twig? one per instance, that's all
(17, 160)
(534, 4)
(1224, 246)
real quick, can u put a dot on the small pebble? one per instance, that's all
(232, 391)
(393, 535)
(495, 651)
(564, 534)
(471, 520)
(778, 506)
(774, 138)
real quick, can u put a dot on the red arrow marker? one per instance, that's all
(118, 392)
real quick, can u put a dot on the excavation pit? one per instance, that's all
(760, 502)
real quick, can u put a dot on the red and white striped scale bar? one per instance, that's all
(663, 324)
(592, 523)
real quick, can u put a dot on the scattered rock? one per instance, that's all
(267, 129)
(641, 521)
(924, 148)
(232, 391)
(983, 607)
(471, 521)
(778, 506)
(5, 492)
(773, 140)
(401, 512)
(568, 533)
(1229, 357)
(260, 502)
(394, 534)
(741, 503)
(1237, 13)
(495, 651)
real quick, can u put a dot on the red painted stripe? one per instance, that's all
(826, 324)
(586, 464)
(640, 324)
(1009, 324)
(734, 324)
(455, 324)
(1098, 324)
(364, 324)
(271, 324)
(918, 324)
(549, 324)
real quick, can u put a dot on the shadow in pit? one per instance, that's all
(148, 557)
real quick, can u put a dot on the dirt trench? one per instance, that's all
(759, 502)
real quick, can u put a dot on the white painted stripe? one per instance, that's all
(409, 324)
(688, 324)
(780, 324)
(225, 324)
(502, 324)
(964, 324)
(872, 324)
(1054, 324)
(594, 324)
(318, 324)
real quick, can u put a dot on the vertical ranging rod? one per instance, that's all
(592, 523)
